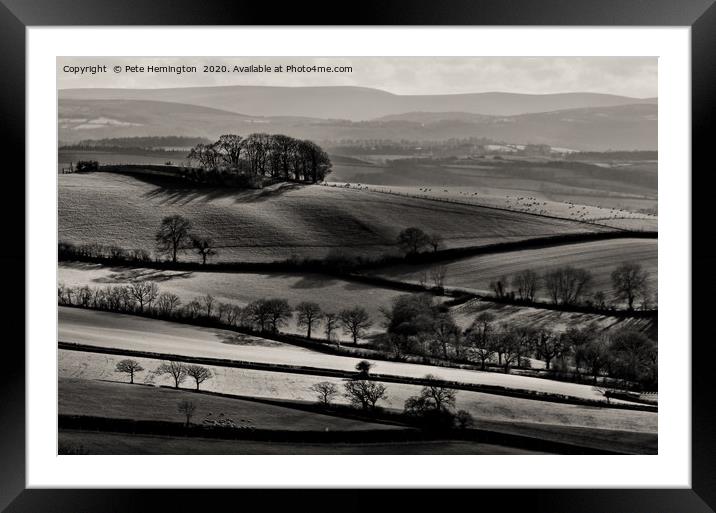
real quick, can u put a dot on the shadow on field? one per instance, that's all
(239, 339)
(126, 274)
(306, 281)
(170, 191)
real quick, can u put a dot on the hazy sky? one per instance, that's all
(628, 76)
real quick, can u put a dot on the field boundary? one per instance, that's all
(167, 428)
(335, 373)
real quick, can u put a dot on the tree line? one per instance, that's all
(417, 325)
(259, 154)
(178, 371)
(569, 286)
(262, 315)
(414, 324)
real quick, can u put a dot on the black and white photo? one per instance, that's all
(357, 255)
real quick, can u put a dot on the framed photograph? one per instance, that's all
(419, 248)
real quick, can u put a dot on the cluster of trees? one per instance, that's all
(416, 325)
(414, 240)
(174, 235)
(434, 407)
(261, 315)
(623, 354)
(569, 285)
(178, 371)
(273, 155)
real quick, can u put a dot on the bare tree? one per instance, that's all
(423, 278)
(548, 346)
(412, 240)
(509, 346)
(566, 285)
(84, 296)
(186, 408)
(330, 322)
(437, 275)
(207, 155)
(630, 281)
(279, 312)
(193, 308)
(204, 247)
(436, 241)
(595, 354)
(355, 321)
(499, 286)
(229, 147)
(257, 314)
(526, 283)
(233, 315)
(167, 302)
(481, 339)
(325, 390)
(364, 394)
(177, 370)
(442, 398)
(208, 302)
(144, 292)
(172, 235)
(199, 373)
(129, 367)
(309, 313)
(445, 331)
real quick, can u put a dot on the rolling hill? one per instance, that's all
(352, 103)
(624, 127)
(280, 221)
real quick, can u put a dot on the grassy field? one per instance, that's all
(278, 222)
(122, 443)
(572, 190)
(106, 329)
(296, 387)
(331, 293)
(139, 402)
(599, 257)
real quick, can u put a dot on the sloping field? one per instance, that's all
(331, 293)
(554, 320)
(138, 333)
(279, 385)
(599, 257)
(615, 211)
(120, 443)
(125, 401)
(278, 222)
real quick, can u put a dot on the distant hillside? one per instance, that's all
(352, 103)
(625, 127)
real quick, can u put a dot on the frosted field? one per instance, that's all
(599, 257)
(278, 222)
(330, 293)
(554, 320)
(106, 329)
(74, 364)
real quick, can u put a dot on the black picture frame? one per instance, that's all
(700, 15)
